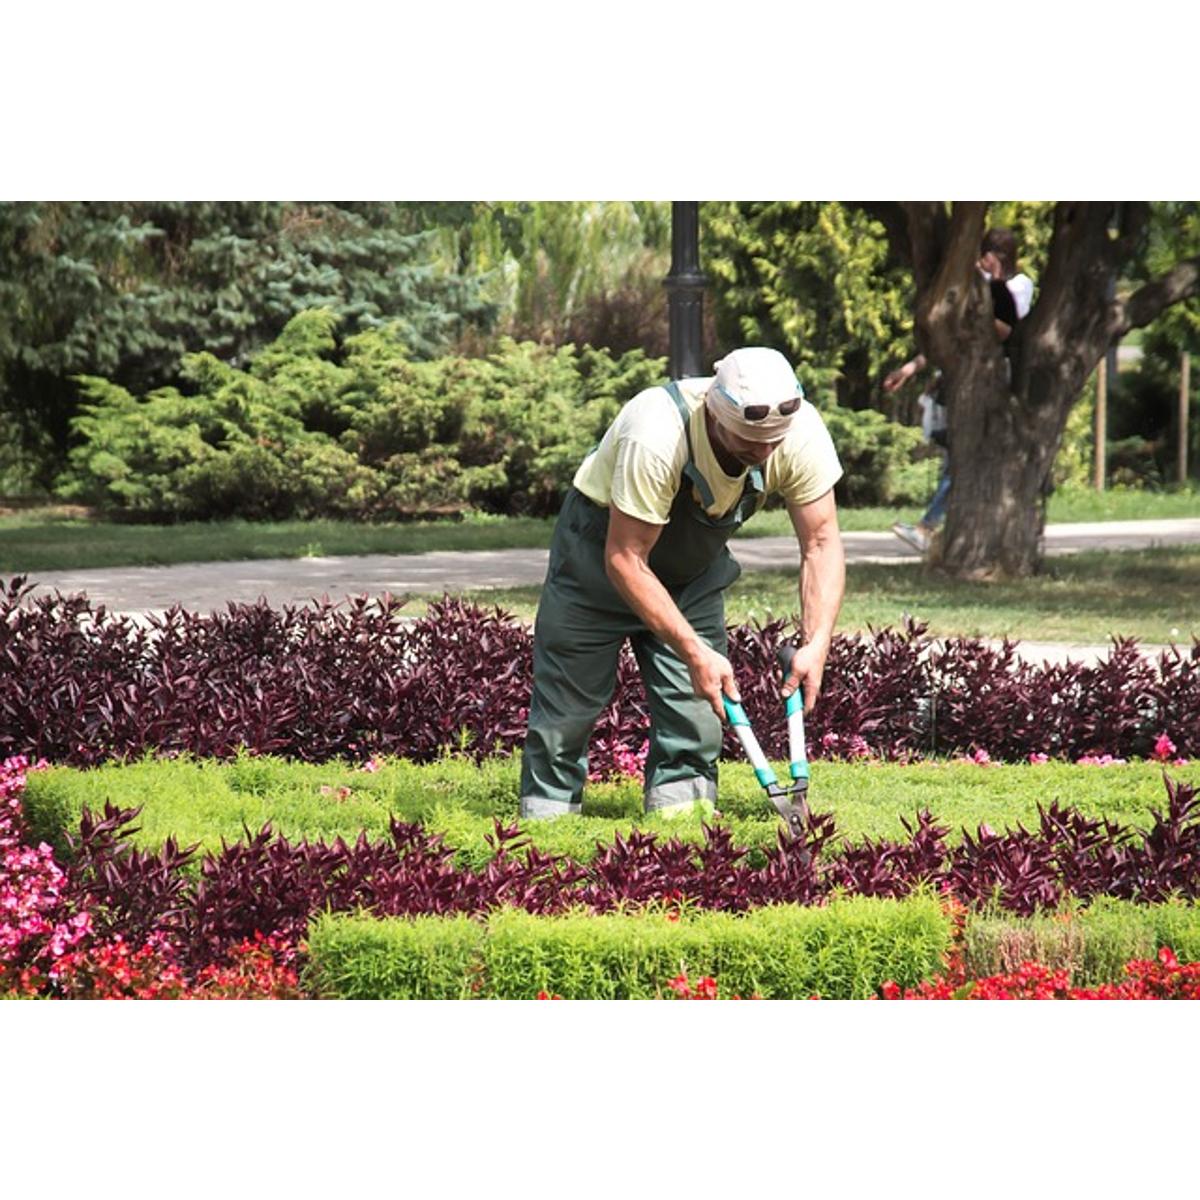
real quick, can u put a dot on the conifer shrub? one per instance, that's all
(356, 429)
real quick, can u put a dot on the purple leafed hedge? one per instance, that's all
(80, 685)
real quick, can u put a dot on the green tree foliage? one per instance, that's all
(1143, 420)
(882, 459)
(588, 272)
(124, 290)
(1008, 407)
(356, 428)
(816, 282)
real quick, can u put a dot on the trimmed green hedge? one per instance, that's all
(1093, 943)
(843, 951)
(207, 800)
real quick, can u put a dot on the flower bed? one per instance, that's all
(59, 938)
(1164, 978)
(116, 921)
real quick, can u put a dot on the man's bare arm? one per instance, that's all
(822, 586)
(626, 560)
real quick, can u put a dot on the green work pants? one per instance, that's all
(582, 623)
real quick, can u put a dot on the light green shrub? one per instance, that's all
(845, 950)
(205, 800)
(1178, 925)
(422, 958)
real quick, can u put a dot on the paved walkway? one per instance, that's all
(209, 586)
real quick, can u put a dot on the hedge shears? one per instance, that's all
(790, 802)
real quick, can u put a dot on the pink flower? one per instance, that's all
(370, 765)
(1163, 747)
(981, 757)
(1037, 758)
(851, 746)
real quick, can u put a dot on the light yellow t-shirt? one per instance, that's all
(639, 463)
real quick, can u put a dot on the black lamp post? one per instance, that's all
(685, 291)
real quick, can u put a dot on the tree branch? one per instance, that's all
(927, 222)
(1181, 282)
(1074, 284)
(962, 248)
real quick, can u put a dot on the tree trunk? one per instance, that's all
(1007, 405)
(1001, 456)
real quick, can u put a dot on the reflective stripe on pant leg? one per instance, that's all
(535, 806)
(685, 734)
(575, 653)
(680, 792)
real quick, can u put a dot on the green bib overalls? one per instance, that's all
(581, 625)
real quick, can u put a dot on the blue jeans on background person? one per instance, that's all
(936, 511)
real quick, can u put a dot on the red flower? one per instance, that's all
(1166, 956)
(679, 985)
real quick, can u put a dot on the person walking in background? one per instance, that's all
(1012, 298)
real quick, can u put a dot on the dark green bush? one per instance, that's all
(882, 459)
(359, 429)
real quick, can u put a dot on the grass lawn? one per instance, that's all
(53, 539)
(1086, 598)
(204, 800)
(64, 538)
(1114, 504)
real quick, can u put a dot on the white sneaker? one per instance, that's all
(912, 535)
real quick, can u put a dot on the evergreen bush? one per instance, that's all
(361, 429)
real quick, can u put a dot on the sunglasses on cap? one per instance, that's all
(760, 412)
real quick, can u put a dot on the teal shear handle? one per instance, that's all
(794, 707)
(790, 801)
(741, 726)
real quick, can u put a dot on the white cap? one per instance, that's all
(751, 377)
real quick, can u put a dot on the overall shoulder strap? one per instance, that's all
(690, 473)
